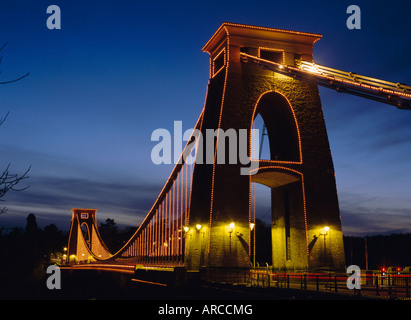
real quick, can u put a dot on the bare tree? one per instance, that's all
(14, 80)
(9, 181)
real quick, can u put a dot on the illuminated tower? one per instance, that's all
(299, 172)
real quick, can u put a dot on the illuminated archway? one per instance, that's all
(86, 233)
(281, 126)
(286, 197)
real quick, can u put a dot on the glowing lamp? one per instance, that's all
(252, 225)
(198, 227)
(231, 226)
(324, 231)
(186, 228)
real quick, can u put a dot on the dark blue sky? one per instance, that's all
(117, 70)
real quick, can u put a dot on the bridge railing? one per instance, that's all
(373, 284)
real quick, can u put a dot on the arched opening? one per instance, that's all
(277, 205)
(261, 249)
(278, 130)
(279, 235)
(263, 151)
(86, 233)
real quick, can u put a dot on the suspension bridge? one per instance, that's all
(204, 216)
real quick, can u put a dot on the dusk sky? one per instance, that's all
(118, 70)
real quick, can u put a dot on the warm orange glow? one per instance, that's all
(225, 24)
(321, 71)
(214, 72)
(149, 282)
(216, 144)
(129, 269)
(310, 68)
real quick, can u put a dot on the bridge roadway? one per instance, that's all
(174, 283)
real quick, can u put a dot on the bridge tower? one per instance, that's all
(85, 243)
(300, 170)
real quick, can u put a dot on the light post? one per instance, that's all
(252, 226)
(65, 254)
(230, 231)
(324, 232)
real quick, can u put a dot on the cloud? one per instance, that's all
(51, 200)
(362, 214)
(362, 128)
(380, 221)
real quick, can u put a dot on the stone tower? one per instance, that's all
(306, 226)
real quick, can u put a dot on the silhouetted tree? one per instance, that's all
(53, 240)
(31, 225)
(109, 234)
(382, 250)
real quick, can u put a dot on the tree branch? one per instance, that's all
(4, 119)
(10, 81)
(9, 181)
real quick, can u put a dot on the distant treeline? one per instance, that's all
(383, 251)
(25, 255)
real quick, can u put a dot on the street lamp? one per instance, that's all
(230, 231)
(324, 232)
(198, 227)
(252, 226)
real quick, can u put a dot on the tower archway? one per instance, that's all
(287, 213)
(280, 126)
